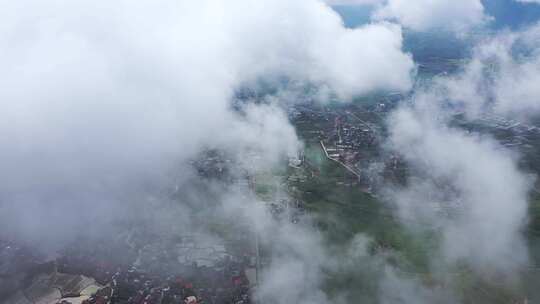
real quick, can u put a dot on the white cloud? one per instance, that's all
(468, 186)
(421, 15)
(101, 99)
(501, 76)
(103, 103)
(471, 176)
(425, 15)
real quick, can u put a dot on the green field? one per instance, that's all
(343, 212)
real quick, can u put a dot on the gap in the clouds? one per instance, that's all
(512, 14)
(354, 15)
(435, 51)
(438, 51)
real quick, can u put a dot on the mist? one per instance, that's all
(105, 107)
(466, 185)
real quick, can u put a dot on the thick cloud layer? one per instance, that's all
(105, 103)
(102, 99)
